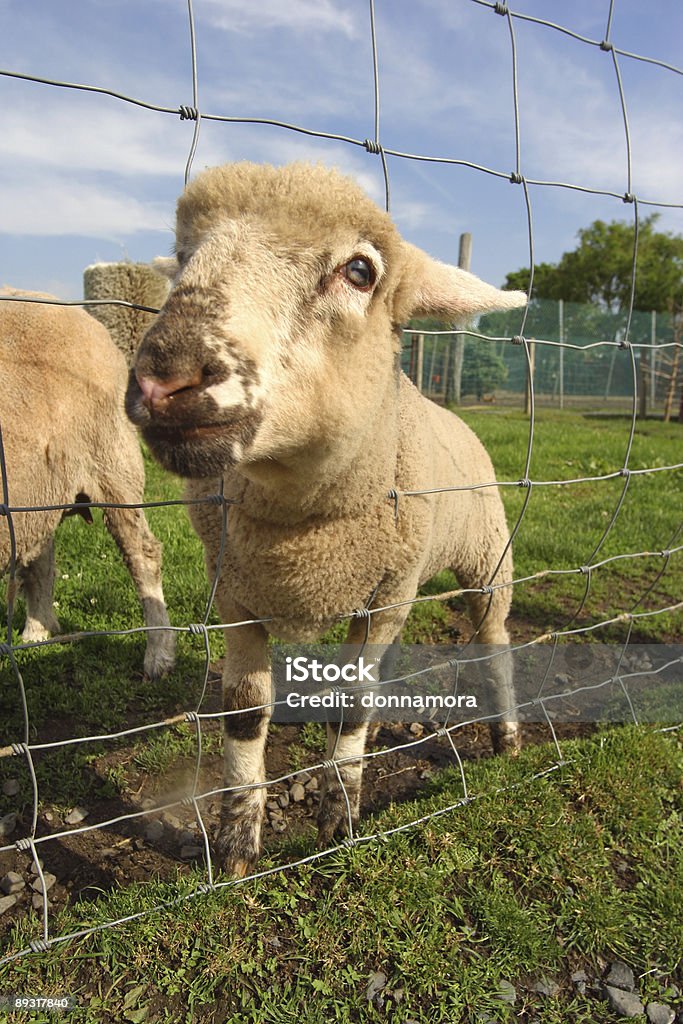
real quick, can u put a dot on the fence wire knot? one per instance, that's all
(524, 482)
(5, 649)
(188, 113)
(516, 178)
(4, 509)
(328, 764)
(39, 946)
(197, 628)
(393, 496)
(19, 748)
(628, 197)
(625, 472)
(372, 146)
(486, 589)
(585, 570)
(624, 344)
(665, 553)
(606, 46)
(191, 716)
(23, 845)
(518, 339)
(361, 613)
(500, 8)
(348, 842)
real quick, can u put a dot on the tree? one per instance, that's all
(600, 270)
(598, 277)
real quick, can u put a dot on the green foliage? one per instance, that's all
(599, 271)
(482, 371)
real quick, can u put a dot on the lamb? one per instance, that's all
(67, 440)
(274, 366)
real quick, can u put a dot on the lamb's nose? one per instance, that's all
(156, 393)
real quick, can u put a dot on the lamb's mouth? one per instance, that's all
(200, 449)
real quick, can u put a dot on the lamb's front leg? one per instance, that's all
(340, 804)
(246, 685)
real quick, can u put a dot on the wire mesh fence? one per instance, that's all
(575, 354)
(549, 353)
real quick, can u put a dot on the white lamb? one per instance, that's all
(274, 364)
(67, 440)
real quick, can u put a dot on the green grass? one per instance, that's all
(563, 525)
(542, 874)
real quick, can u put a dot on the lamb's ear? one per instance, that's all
(167, 266)
(430, 288)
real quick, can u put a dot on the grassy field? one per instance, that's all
(543, 874)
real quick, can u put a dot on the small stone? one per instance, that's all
(620, 976)
(297, 792)
(76, 816)
(11, 883)
(546, 987)
(11, 787)
(507, 992)
(377, 982)
(7, 902)
(312, 785)
(283, 799)
(49, 816)
(190, 851)
(659, 1013)
(187, 838)
(626, 1004)
(37, 901)
(8, 824)
(277, 812)
(278, 824)
(397, 995)
(37, 882)
(154, 831)
(172, 821)
(273, 805)
(35, 869)
(303, 777)
(416, 728)
(579, 979)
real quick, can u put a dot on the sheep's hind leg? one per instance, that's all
(37, 583)
(246, 685)
(141, 552)
(339, 808)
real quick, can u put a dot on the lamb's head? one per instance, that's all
(280, 335)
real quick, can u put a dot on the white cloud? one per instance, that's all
(301, 16)
(68, 206)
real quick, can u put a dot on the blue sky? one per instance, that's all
(87, 177)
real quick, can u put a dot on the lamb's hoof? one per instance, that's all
(507, 738)
(238, 848)
(160, 659)
(333, 818)
(35, 632)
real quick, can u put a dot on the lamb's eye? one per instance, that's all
(360, 272)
